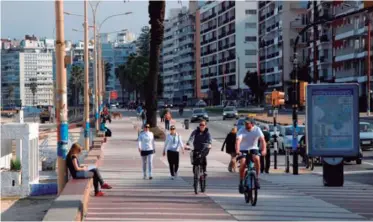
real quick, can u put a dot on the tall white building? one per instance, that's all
(22, 66)
(228, 42)
(178, 56)
(279, 24)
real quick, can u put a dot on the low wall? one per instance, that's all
(72, 203)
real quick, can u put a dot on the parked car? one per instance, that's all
(201, 103)
(358, 159)
(44, 116)
(366, 135)
(286, 136)
(240, 123)
(230, 112)
(199, 114)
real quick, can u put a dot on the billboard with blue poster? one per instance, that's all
(333, 120)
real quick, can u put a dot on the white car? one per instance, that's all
(366, 135)
(230, 112)
(286, 136)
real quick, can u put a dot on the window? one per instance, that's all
(250, 52)
(250, 12)
(250, 25)
(250, 38)
(250, 65)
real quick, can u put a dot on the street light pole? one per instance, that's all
(62, 121)
(86, 78)
(295, 114)
(369, 68)
(96, 74)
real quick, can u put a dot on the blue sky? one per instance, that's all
(38, 17)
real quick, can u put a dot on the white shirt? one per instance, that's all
(249, 139)
(173, 143)
(146, 141)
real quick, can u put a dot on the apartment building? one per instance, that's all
(228, 33)
(279, 24)
(23, 65)
(178, 56)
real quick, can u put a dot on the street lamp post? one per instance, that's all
(86, 78)
(62, 121)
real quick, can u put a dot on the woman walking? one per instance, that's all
(167, 121)
(82, 172)
(230, 143)
(172, 146)
(147, 149)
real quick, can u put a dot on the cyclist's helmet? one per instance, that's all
(249, 120)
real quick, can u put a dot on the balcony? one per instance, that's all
(298, 24)
(222, 34)
(269, 14)
(208, 17)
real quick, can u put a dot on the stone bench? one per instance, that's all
(72, 203)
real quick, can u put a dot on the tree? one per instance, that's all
(143, 42)
(156, 11)
(160, 86)
(108, 67)
(34, 89)
(76, 82)
(257, 87)
(214, 89)
(10, 93)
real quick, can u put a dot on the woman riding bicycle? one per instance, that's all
(201, 136)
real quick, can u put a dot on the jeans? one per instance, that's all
(267, 159)
(167, 124)
(88, 174)
(173, 161)
(147, 160)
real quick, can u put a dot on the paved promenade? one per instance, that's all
(282, 197)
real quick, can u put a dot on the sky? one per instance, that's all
(19, 18)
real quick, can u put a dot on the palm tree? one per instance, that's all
(76, 82)
(34, 89)
(156, 11)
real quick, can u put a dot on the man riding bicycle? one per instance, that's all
(247, 143)
(201, 137)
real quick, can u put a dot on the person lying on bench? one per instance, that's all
(83, 172)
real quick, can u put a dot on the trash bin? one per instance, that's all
(186, 123)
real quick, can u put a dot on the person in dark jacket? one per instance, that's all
(230, 148)
(267, 159)
(201, 137)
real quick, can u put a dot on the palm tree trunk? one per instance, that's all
(156, 11)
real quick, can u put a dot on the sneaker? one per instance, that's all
(150, 178)
(257, 185)
(172, 177)
(144, 177)
(99, 194)
(106, 186)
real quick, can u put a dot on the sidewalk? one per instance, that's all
(282, 197)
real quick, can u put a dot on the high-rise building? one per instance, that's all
(178, 56)
(279, 24)
(228, 33)
(24, 65)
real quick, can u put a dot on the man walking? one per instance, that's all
(265, 161)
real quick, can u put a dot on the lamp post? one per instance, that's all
(86, 78)
(61, 112)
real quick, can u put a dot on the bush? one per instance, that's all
(15, 165)
(158, 133)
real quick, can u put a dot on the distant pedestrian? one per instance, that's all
(265, 162)
(230, 148)
(143, 117)
(167, 121)
(146, 149)
(172, 146)
(82, 172)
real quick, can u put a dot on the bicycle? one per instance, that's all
(250, 190)
(196, 158)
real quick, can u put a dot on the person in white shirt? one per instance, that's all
(172, 146)
(147, 150)
(247, 143)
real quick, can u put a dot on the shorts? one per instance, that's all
(253, 152)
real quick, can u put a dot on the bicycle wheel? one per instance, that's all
(253, 193)
(246, 190)
(202, 182)
(196, 176)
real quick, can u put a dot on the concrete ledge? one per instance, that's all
(72, 203)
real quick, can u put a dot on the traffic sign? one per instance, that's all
(113, 95)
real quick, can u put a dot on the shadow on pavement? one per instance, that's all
(27, 209)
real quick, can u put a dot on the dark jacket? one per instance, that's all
(230, 142)
(199, 138)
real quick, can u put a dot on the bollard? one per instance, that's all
(186, 124)
(287, 161)
(275, 154)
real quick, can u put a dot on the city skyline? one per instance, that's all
(13, 23)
